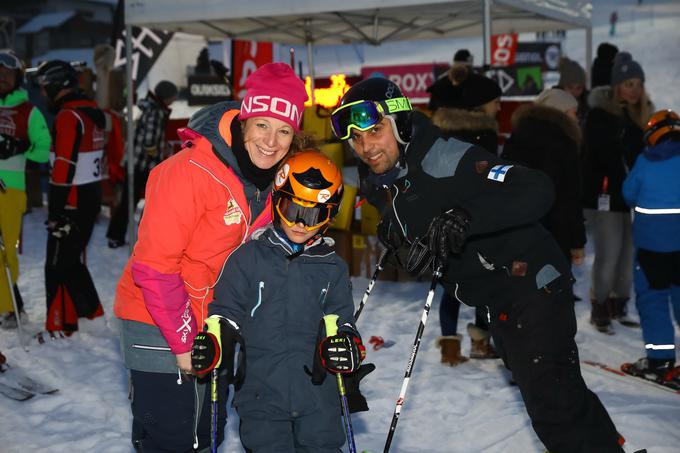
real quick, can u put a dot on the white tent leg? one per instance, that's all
(487, 32)
(589, 55)
(132, 230)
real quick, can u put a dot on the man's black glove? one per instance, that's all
(208, 346)
(355, 400)
(60, 226)
(448, 232)
(342, 353)
(389, 236)
(10, 146)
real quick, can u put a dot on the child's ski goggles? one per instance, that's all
(363, 115)
(312, 215)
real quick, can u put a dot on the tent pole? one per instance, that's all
(589, 55)
(310, 57)
(130, 153)
(487, 32)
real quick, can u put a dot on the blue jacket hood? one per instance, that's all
(663, 151)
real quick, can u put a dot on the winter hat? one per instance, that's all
(274, 90)
(165, 90)
(475, 91)
(626, 68)
(463, 56)
(557, 99)
(607, 51)
(571, 73)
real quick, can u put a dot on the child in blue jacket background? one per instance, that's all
(652, 189)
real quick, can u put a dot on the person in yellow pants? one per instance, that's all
(23, 135)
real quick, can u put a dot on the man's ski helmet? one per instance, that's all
(365, 104)
(55, 75)
(661, 123)
(307, 189)
(9, 60)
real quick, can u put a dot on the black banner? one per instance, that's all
(147, 45)
(544, 54)
(207, 89)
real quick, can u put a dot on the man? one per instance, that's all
(149, 149)
(79, 136)
(455, 205)
(23, 135)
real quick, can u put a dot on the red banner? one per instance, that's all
(412, 79)
(503, 49)
(247, 56)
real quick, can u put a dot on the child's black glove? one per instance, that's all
(355, 400)
(342, 353)
(207, 347)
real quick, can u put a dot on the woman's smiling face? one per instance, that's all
(267, 140)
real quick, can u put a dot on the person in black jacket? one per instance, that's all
(612, 142)
(602, 65)
(545, 136)
(456, 205)
(468, 114)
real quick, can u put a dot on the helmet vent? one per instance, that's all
(312, 178)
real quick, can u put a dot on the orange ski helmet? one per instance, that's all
(307, 189)
(660, 124)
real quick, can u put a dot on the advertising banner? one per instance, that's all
(412, 79)
(247, 56)
(207, 89)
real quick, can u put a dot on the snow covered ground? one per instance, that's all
(470, 408)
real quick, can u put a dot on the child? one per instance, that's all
(273, 294)
(653, 189)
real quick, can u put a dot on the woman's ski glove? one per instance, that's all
(342, 353)
(356, 402)
(448, 232)
(10, 146)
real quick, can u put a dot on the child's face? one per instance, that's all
(297, 232)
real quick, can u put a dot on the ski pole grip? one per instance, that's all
(331, 323)
(214, 328)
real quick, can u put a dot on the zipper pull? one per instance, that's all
(257, 195)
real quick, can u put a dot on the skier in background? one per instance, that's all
(23, 136)
(613, 19)
(652, 189)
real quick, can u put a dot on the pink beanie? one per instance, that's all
(274, 90)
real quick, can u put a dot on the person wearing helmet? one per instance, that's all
(452, 205)
(273, 294)
(23, 136)
(202, 204)
(652, 189)
(80, 135)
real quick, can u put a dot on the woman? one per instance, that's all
(546, 136)
(201, 205)
(613, 140)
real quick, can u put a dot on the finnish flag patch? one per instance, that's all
(498, 172)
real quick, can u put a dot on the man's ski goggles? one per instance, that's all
(9, 61)
(363, 115)
(312, 215)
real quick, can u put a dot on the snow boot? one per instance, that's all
(600, 317)
(9, 321)
(618, 309)
(450, 346)
(661, 371)
(481, 343)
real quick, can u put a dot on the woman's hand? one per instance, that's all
(184, 362)
(577, 256)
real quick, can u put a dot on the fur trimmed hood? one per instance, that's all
(451, 119)
(602, 97)
(550, 115)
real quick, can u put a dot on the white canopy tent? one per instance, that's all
(340, 22)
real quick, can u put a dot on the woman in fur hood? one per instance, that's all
(546, 136)
(612, 141)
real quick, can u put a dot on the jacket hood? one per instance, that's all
(603, 98)
(663, 151)
(452, 119)
(15, 97)
(548, 114)
(206, 122)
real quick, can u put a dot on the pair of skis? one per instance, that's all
(17, 385)
(606, 370)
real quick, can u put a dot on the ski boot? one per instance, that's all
(657, 370)
(601, 318)
(618, 310)
(481, 343)
(450, 346)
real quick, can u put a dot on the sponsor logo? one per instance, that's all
(233, 214)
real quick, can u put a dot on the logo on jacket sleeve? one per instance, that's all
(233, 213)
(499, 172)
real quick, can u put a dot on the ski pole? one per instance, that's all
(378, 269)
(412, 359)
(331, 323)
(17, 314)
(214, 328)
